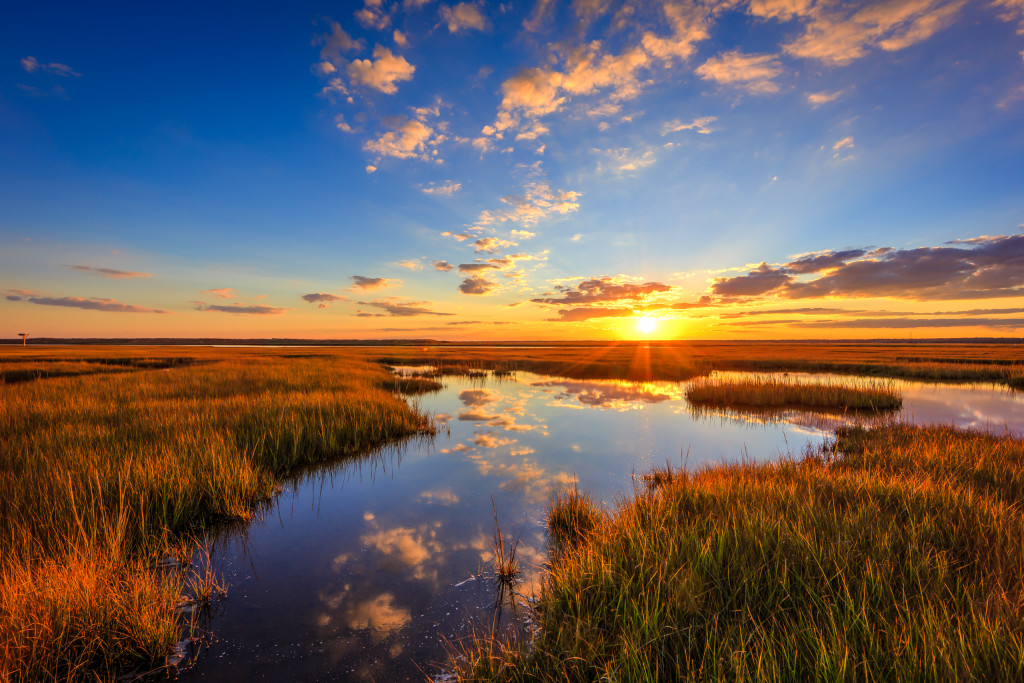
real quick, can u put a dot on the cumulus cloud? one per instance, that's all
(369, 284)
(443, 266)
(89, 304)
(477, 285)
(110, 272)
(463, 16)
(698, 125)
(602, 290)
(411, 139)
(383, 72)
(402, 309)
(754, 74)
(239, 308)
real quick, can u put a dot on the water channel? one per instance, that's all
(364, 570)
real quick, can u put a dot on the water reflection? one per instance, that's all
(359, 571)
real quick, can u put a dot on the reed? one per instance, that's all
(765, 392)
(104, 472)
(895, 553)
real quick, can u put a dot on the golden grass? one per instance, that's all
(893, 554)
(761, 393)
(681, 360)
(104, 472)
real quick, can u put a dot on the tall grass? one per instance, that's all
(102, 473)
(766, 392)
(892, 554)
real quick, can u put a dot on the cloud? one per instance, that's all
(538, 201)
(699, 125)
(816, 99)
(626, 160)
(372, 15)
(813, 263)
(110, 272)
(239, 308)
(409, 140)
(602, 290)
(400, 38)
(402, 309)
(369, 284)
(411, 265)
(759, 281)
(1011, 10)
(382, 72)
(489, 245)
(573, 315)
(905, 323)
(323, 299)
(444, 189)
(983, 267)
(477, 267)
(224, 293)
(443, 266)
(32, 65)
(90, 304)
(753, 73)
(586, 70)
(334, 45)
(477, 285)
(462, 16)
(839, 33)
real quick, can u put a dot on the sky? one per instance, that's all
(526, 170)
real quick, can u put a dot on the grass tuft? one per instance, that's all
(774, 393)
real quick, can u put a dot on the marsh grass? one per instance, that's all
(766, 392)
(507, 572)
(895, 553)
(104, 473)
(683, 360)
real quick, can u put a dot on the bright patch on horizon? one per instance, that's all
(646, 325)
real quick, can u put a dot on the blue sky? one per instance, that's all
(520, 170)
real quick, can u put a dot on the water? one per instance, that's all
(362, 571)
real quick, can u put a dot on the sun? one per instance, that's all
(646, 325)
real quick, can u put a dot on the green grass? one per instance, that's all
(892, 554)
(102, 473)
(779, 393)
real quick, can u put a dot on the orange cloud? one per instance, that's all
(382, 72)
(369, 284)
(752, 73)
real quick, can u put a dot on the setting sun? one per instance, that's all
(646, 325)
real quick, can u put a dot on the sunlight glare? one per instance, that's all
(646, 325)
